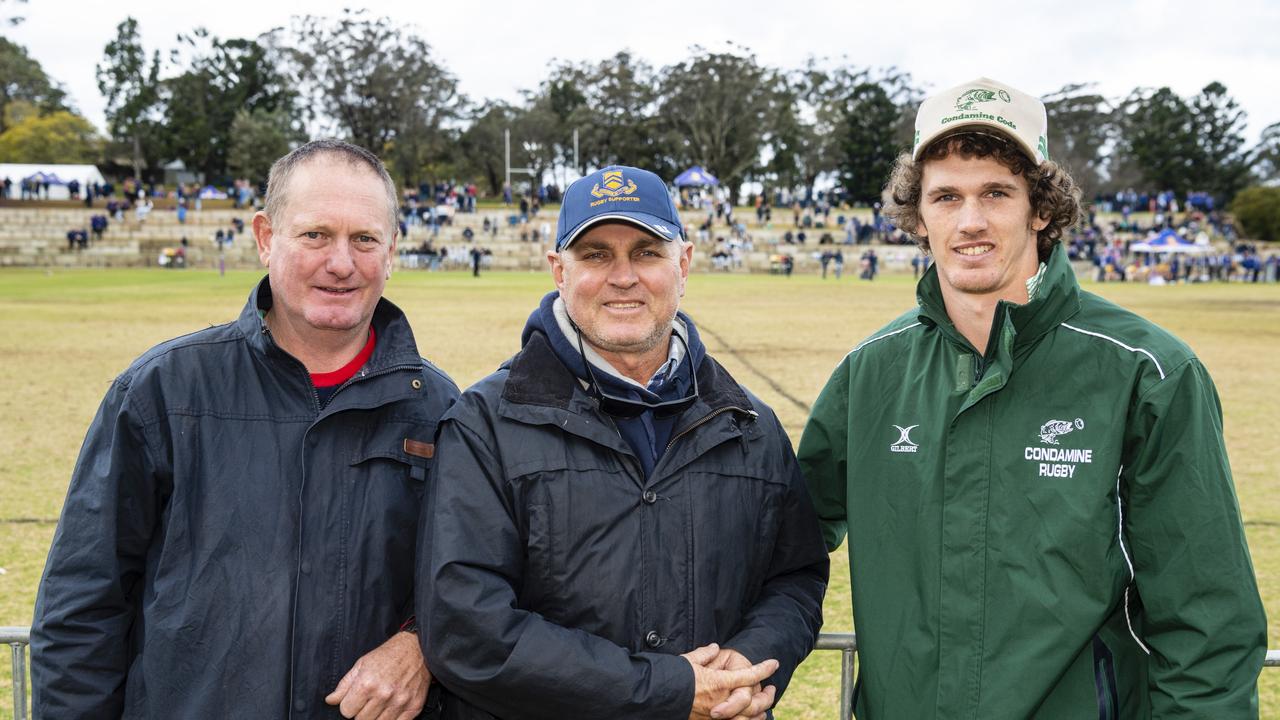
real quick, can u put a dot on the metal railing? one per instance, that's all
(17, 639)
(847, 644)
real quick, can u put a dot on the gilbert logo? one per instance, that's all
(612, 185)
(1050, 431)
(904, 444)
(980, 95)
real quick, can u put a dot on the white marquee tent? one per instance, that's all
(17, 172)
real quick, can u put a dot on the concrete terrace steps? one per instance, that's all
(31, 236)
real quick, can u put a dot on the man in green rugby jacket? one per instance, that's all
(1033, 481)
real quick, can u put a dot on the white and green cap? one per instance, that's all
(984, 106)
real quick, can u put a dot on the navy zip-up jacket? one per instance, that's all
(227, 547)
(558, 580)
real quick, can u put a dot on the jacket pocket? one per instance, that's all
(411, 448)
(581, 533)
(738, 512)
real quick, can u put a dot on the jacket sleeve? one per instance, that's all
(477, 640)
(1203, 621)
(823, 452)
(81, 637)
(784, 621)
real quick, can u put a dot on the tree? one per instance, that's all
(803, 143)
(542, 135)
(1266, 155)
(868, 145)
(1158, 133)
(480, 146)
(720, 106)
(258, 137)
(1257, 209)
(376, 84)
(131, 87)
(22, 78)
(537, 139)
(1223, 167)
(1187, 145)
(1081, 125)
(618, 118)
(60, 137)
(223, 79)
(844, 120)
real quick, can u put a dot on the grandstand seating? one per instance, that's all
(37, 237)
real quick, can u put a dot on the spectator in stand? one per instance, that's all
(99, 224)
(870, 264)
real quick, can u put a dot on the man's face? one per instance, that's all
(622, 286)
(977, 216)
(329, 251)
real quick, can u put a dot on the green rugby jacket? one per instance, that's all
(1049, 530)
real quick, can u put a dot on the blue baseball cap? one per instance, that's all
(618, 193)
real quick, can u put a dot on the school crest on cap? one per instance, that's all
(613, 185)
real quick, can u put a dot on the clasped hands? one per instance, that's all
(391, 682)
(727, 685)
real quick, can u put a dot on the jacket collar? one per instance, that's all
(396, 345)
(537, 378)
(1057, 298)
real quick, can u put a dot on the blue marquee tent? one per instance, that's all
(695, 177)
(1169, 242)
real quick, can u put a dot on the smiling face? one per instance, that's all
(328, 252)
(622, 286)
(982, 233)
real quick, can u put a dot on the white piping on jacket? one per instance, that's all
(1132, 576)
(1117, 342)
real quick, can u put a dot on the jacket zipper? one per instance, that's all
(360, 376)
(297, 580)
(704, 420)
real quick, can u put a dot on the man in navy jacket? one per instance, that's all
(616, 528)
(238, 537)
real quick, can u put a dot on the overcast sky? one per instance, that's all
(496, 49)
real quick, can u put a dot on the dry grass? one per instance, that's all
(64, 335)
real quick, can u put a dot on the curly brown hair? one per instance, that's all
(1054, 195)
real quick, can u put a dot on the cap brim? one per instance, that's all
(979, 128)
(651, 223)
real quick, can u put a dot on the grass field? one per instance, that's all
(65, 335)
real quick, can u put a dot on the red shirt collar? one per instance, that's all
(346, 372)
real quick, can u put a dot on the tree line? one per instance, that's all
(227, 107)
